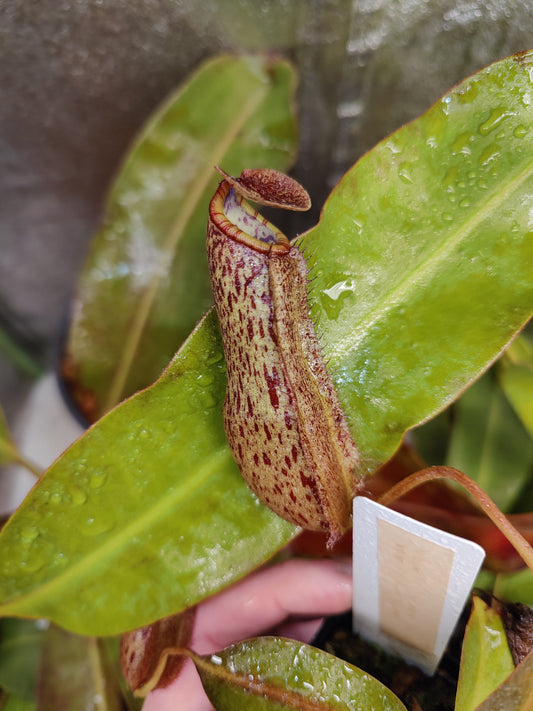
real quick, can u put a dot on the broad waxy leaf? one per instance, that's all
(424, 253)
(271, 674)
(485, 660)
(515, 693)
(489, 443)
(147, 514)
(145, 284)
(20, 650)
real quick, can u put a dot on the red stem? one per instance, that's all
(485, 502)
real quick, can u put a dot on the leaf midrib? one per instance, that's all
(166, 255)
(114, 545)
(424, 268)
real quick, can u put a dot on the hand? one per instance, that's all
(288, 600)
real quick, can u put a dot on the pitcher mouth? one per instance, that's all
(235, 217)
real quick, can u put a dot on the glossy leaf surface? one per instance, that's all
(515, 693)
(151, 493)
(271, 674)
(142, 516)
(485, 660)
(20, 650)
(146, 284)
(489, 442)
(427, 230)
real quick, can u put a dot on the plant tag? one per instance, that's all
(411, 582)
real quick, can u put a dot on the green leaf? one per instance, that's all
(146, 283)
(8, 450)
(423, 256)
(20, 650)
(489, 442)
(271, 674)
(73, 674)
(18, 356)
(515, 693)
(515, 587)
(14, 703)
(143, 515)
(516, 377)
(485, 660)
(147, 514)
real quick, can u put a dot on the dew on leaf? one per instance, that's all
(78, 496)
(489, 154)
(467, 94)
(97, 526)
(495, 119)
(520, 131)
(29, 533)
(97, 480)
(205, 378)
(450, 176)
(216, 358)
(33, 564)
(460, 145)
(404, 172)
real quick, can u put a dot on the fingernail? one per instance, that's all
(343, 565)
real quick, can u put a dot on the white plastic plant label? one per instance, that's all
(411, 582)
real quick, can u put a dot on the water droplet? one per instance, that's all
(468, 93)
(56, 497)
(29, 533)
(81, 468)
(97, 480)
(482, 184)
(78, 496)
(359, 220)
(465, 202)
(495, 119)
(450, 176)
(489, 154)
(404, 172)
(520, 131)
(97, 526)
(460, 145)
(144, 434)
(471, 175)
(216, 358)
(33, 564)
(447, 216)
(205, 378)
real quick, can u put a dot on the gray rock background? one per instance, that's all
(79, 77)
